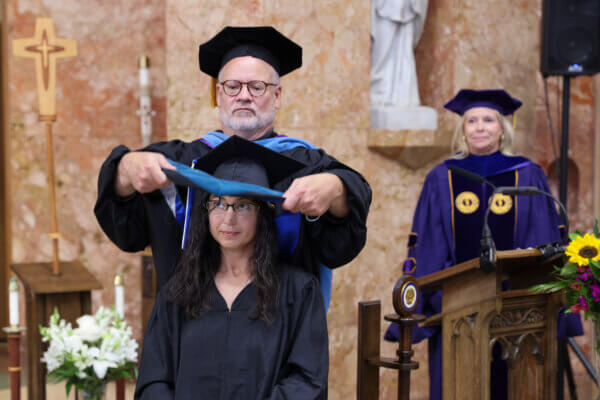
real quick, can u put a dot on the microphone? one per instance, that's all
(547, 250)
(487, 254)
(487, 250)
(533, 191)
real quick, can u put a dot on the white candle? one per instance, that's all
(144, 72)
(144, 77)
(119, 295)
(13, 302)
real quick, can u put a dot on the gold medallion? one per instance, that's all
(467, 202)
(501, 204)
(410, 296)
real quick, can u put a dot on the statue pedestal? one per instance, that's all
(408, 135)
(402, 118)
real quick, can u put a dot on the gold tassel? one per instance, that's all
(213, 92)
(514, 120)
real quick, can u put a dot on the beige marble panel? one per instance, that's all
(96, 103)
(331, 89)
(190, 23)
(434, 57)
(487, 58)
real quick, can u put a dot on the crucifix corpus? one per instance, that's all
(45, 48)
(66, 286)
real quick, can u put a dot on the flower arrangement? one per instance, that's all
(100, 350)
(580, 276)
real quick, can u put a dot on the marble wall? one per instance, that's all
(325, 102)
(96, 104)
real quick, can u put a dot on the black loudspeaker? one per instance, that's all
(570, 37)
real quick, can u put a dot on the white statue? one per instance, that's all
(396, 27)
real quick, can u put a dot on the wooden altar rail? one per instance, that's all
(369, 359)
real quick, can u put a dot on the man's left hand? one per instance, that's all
(313, 195)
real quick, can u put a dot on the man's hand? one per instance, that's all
(141, 171)
(313, 195)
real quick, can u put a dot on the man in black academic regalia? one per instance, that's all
(138, 206)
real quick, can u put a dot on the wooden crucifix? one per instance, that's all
(63, 285)
(45, 48)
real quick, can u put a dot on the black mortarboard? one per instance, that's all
(237, 167)
(242, 160)
(496, 99)
(263, 42)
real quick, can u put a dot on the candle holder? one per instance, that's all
(145, 111)
(13, 334)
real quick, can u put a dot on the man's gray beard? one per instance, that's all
(254, 123)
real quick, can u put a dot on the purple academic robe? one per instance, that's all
(435, 244)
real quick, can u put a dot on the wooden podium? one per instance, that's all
(477, 314)
(69, 292)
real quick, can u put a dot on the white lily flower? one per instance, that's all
(101, 343)
(88, 329)
(100, 367)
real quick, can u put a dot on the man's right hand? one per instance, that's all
(141, 171)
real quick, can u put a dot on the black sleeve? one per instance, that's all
(156, 380)
(306, 367)
(124, 219)
(336, 241)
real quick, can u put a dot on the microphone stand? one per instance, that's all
(564, 363)
(487, 253)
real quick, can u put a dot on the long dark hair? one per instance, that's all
(190, 285)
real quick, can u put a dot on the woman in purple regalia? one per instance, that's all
(448, 220)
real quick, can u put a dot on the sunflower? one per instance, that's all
(584, 248)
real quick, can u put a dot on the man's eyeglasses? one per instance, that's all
(256, 88)
(241, 208)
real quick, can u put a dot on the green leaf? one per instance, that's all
(568, 269)
(557, 269)
(574, 235)
(596, 271)
(546, 287)
(596, 232)
(68, 387)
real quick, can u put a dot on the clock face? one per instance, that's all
(406, 295)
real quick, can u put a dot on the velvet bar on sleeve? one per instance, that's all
(226, 354)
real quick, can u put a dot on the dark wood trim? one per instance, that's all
(369, 322)
(433, 281)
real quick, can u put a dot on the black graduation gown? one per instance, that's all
(226, 355)
(137, 221)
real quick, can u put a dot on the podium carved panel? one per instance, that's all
(477, 314)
